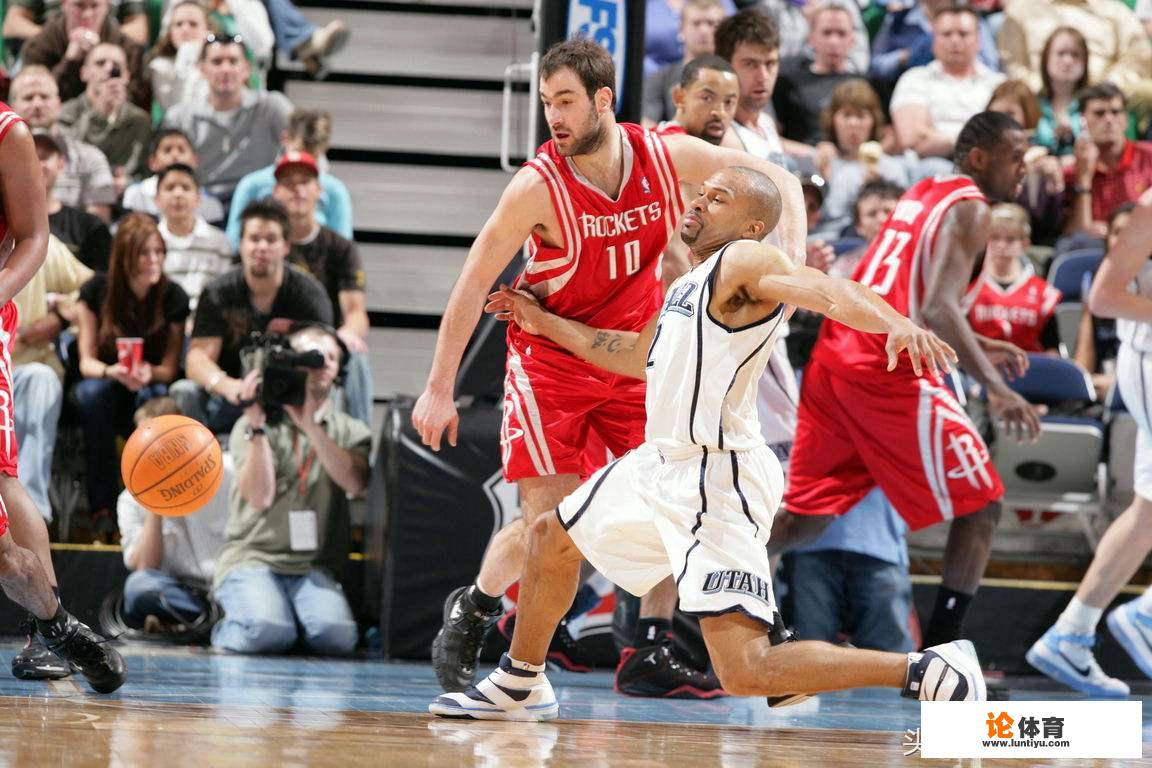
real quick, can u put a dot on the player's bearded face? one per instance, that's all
(583, 139)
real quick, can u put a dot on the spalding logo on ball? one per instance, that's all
(172, 465)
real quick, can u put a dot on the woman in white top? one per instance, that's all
(852, 120)
(174, 62)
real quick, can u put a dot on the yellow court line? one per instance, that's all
(1059, 586)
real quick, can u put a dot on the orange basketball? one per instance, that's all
(172, 465)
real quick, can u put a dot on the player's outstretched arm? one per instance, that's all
(621, 352)
(772, 277)
(1110, 296)
(24, 209)
(523, 205)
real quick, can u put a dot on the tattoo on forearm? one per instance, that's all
(610, 341)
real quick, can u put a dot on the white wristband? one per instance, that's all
(213, 381)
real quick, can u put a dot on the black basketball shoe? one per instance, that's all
(89, 653)
(35, 661)
(456, 648)
(777, 635)
(655, 671)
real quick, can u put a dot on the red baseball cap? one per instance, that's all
(293, 159)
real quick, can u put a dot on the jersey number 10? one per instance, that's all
(631, 259)
(887, 255)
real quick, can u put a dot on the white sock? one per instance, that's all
(1079, 619)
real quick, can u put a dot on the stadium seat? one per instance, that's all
(847, 244)
(1069, 270)
(1063, 470)
(1068, 315)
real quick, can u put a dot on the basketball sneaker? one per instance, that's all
(1068, 659)
(777, 634)
(947, 672)
(655, 671)
(507, 693)
(456, 648)
(35, 661)
(563, 649)
(1133, 630)
(92, 655)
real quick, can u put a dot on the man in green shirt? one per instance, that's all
(268, 577)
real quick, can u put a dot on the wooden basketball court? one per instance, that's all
(191, 708)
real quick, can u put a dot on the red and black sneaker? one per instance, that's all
(655, 671)
(563, 651)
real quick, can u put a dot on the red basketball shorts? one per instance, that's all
(9, 321)
(564, 416)
(910, 437)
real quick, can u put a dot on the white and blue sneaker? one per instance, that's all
(506, 694)
(1133, 630)
(948, 672)
(1068, 659)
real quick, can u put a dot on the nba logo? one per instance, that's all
(644, 185)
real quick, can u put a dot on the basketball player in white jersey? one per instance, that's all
(696, 499)
(1122, 289)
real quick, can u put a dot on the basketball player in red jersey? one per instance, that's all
(597, 206)
(858, 429)
(23, 575)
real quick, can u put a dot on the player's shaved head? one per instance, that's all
(760, 194)
(734, 203)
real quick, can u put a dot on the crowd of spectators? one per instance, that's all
(149, 148)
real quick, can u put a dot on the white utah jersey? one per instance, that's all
(702, 375)
(1136, 334)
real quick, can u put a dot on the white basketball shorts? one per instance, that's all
(1134, 378)
(701, 516)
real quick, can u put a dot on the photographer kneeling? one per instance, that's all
(289, 458)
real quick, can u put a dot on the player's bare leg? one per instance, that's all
(23, 579)
(965, 559)
(518, 689)
(1122, 549)
(471, 611)
(503, 560)
(551, 578)
(790, 530)
(25, 522)
(1064, 652)
(749, 666)
(660, 603)
(651, 667)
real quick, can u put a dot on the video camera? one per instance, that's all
(283, 370)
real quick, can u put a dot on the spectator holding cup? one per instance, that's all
(131, 333)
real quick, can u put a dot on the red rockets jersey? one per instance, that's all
(606, 273)
(895, 266)
(1017, 313)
